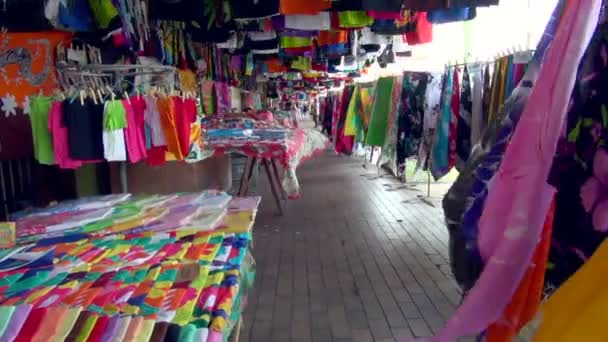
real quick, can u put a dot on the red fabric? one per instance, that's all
(156, 156)
(332, 37)
(423, 32)
(99, 329)
(31, 325)
(455, 114)
(304, 7)
(183, 122)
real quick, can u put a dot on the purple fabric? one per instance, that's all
(300, 33)
(520, 197)
(17, 320)
(278, 23)
(111, 329)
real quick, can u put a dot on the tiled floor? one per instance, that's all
(355, 259)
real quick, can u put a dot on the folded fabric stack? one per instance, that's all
(144, 268)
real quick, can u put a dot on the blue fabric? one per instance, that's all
(452, 15)
(440, 153)
(76, 16)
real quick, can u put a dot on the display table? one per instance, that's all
(272, 145)
(118, 267)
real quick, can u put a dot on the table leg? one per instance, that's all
(271, 180)
(246, 178)
(278, 178)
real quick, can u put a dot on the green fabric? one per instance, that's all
(67, 323)
(301, 63)
(187, 333)
(87, 328)
(353, 121)
(146, 331)
(115, 116)
(295, 42)
(376, 133)
(353, 19)
(43, 141)
(5, 316)
(103, 12)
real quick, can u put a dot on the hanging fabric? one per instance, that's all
(510, 229)
(477, 119)
(432, 110)
(376, 134)
(441, 142)
(463, 139)
(388, 156)
(465, 200)
(454, 119)
(411, 116)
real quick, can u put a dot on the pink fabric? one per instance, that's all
(520, 197)
(60, 138)
(134, 138)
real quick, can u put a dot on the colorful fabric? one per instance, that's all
(579, 169)
(432, 110)
(510, 228)
(411, 116)
(454, 119)
(118, 283)
(441, 146)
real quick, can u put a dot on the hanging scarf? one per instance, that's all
(454, 118)
(432, 108)
(411, 116)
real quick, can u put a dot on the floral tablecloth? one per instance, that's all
(300, 145)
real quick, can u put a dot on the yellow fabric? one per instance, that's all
(237, 222)
(301, 63)
(577, 310)
(295, 42)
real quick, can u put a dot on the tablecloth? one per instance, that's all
(300, 145)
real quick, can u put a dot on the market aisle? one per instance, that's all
(350, 261)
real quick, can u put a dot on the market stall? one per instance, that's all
(279, 149)
(123, 267)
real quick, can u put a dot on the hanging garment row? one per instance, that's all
(155, 128)
(436, 118)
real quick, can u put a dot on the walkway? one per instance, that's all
(355, 259)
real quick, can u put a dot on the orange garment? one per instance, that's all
(167, 121)
(526, 300)
(304, 6)
(275, 65)
(332, 37)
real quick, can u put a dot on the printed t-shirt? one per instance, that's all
(166, 108)
(114, 121)
(134, 132)
(40, 107)
(85, 129)
(304, 6)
